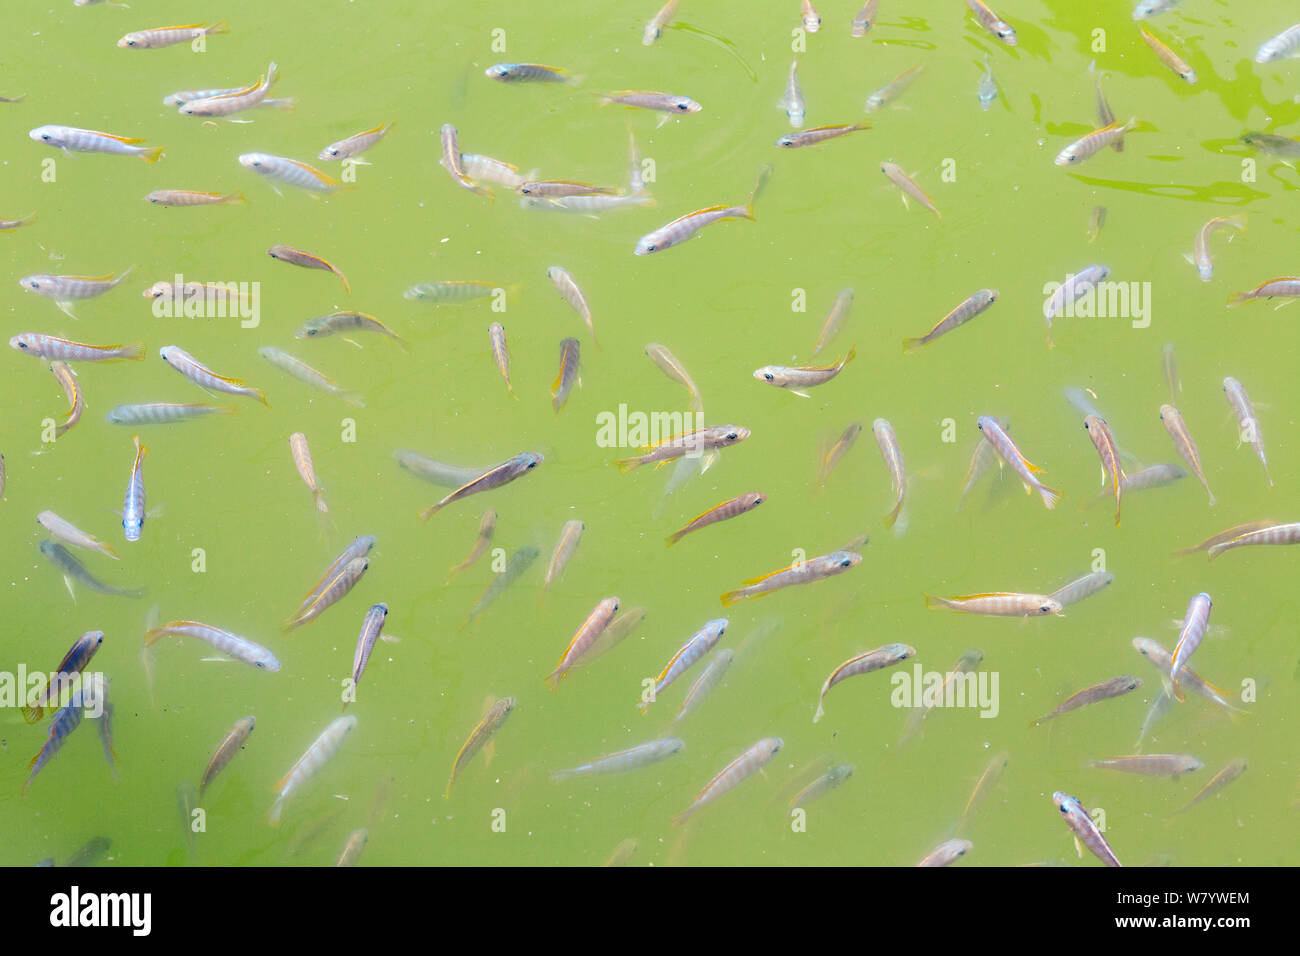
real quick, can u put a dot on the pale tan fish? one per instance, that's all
(696, 443)
(203, 295)
(51, 347)
(864, 19)
(336, 322)
(307, 471)
(1274, 534)
(492, 720)
(619, 628)
(560, 189)
(66, 531)
(893, 455)
(236, 101)
(572, 294)
(624, 852)
(706, 683)
(812, 21)
(972, 306)
(982, 460)
(70, 139)
(1108, 451)
(731, 508)
(485, 169)
(684, 227)
(1083, 587)
(1279, 47)
(1151, 765)
(569, 373)
(353, 146)
(1085, 829)
(1097, 218)
(893, 89)
(837, 451)
(1170, 363)
(792, 100)
(1105, 115)
(67, 379)
(189, 197)
(454, 291)
(501, 354)
(291, 172)
(1177, 428)
(1231, 771)
(1200, 255)
(895, 175)
(358, 548)
(987, 780)
(1234, 532)
(352, 849)
(819, 134)
(1006, 449)
(1086, 146)
(1168, 57)
(65, 290)
(1247, 421)
(596, 624)
(1106, 690)
(160, 37)
(565, 547)
(947, 853)
(322, 750)
(330, 591)
(299, 258)
(651, 100)
(670, 366)
(1286, 287)
(494, 477)
(530, 73)
(297, 368)
(999, 603)
(17, 223)
(734, 773)
(205, 378)
(451, 163)
(834, 319)
(875, 660)
(655, 28)
(797, 377)
(992, 22)
(226, 751)
(813, 569)
(486, 528)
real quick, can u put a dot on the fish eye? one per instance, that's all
(768, 376)
(35, 284)
(1045, 609)
(732, 436)
(22, 344)
(683, 107)
(45, 136)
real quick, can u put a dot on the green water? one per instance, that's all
(827, 219)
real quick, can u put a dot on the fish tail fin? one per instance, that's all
(221, 26)
(427, 513)
(261, 397)
(135, 352)
(235, 197)
(673, 538)
(273, 815)
(32, 713)
(1052, 497)
(1177, 689)
(559, 776)
(152, 154)
(853, 353)
(352, 398)
(680, 818)
(821, 712)
(934, 603)
(627, 464)
(911, 345)
(287, 103)
(347, 287)
(892, 518)
(1213, 552)
(731, 597)
(1238, 298)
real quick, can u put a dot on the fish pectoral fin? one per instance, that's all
(799, 393)
(67, 582)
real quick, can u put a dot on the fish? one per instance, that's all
(908, 187)
(190, 197)
(987, 780)
(731, 508)
(322, 750)
(502, 474)
(838, 450)
(104, 723)
(372, 625)
(819, 134)
(68, 532)
(1195, 623)
(1151, 765)
(633, 758)
(792, 100)
(65, 721)
(354, 145)
(698, 645)
(530, 73)
(649, 100)
(987, 91)
(834, 319)
(163, 413)
(1081, 822)
(873, 660)
(565, 547)
(1283, 146)
(992, 22)
(90, 852)
(74, 662)
(1177, 428)
(947, 853)
(1247, 421)
(450, 291)
(301, 453)
(1230, 772)
(160, 37)
(133, 513)
(485, 169)
(624, 624)
(813, 569)
(437, 472)
(296, 368)
(297, 257)
(516, 565)
(588, 204)
(1279, 47)
(323, 325)
(487, 526)
(1170, 362)
(1075, 287)
(1107, 689)
(483, 731)
(670, 366)
(684, 227)
(1098, 217)
(1108, 451)
(893, 89)
(626, 848)
(812, 21)
(559, 189)
(232, 645)
(1200, 255)
(1285, 288)
(744, 766)
(999, 604)
(1083, 587)
(213, 296)
(235, 101)
(65, 290)
(982, 460)
(205, 378)
(973, 305)
(291, 172)
(893, 455)
(568, 375)
(1086, 146)
(226, 751)
(655, 27)
(1162, 660)
(1150, 8)
(695, 443)
(1272, 534)
(785, 376)
(706, 683)
(332, 589)
(1168, 57)
(72, 569)
(358, 548)
(1223, 536)
(450, 139)
(864, 20)
(1011, 455)
(500, 352)
(356, 842)
(50, 347)
(17, 223)
(822, 785)
(70, 139)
